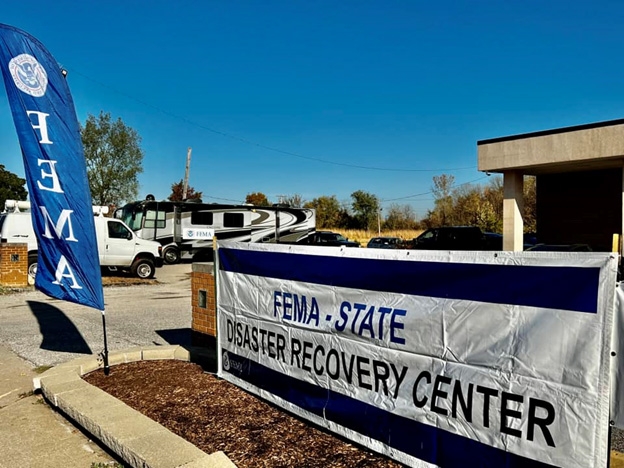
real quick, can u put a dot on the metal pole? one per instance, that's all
(105, 352)
(215, 264)
(379, 221)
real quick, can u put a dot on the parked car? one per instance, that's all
(492, 241)
(560, 248)
(530, 238)
(384, 243)
(450, 238)
(329, 238)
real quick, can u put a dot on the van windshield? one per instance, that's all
(2, 218)
(126, 215)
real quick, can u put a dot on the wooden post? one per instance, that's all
(186, 173)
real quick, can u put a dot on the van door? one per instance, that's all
(119, 244)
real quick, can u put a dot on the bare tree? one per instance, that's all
(295, 201)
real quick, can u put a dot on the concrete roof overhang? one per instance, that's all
(580, 148)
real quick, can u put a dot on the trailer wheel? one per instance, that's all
(171, 255)
(143, 268)
(32, 268)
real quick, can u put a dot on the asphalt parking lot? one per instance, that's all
(47, 331)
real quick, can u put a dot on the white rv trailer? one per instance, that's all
(186, 229)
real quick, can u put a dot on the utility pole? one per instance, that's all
(186, 174)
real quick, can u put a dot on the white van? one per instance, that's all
(118, 247)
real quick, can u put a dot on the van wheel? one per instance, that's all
(32, 268)
(171, 255)
(143, 268)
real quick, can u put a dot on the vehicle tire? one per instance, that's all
(143, 268)
(171, 255)
(32, 268)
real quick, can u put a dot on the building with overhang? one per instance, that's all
(579, 183)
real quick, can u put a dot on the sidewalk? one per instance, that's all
(31, 433)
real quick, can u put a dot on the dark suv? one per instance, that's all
(450, 238)
(329, 238)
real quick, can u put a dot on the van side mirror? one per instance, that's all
(129, 236)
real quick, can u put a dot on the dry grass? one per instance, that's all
(363, 237)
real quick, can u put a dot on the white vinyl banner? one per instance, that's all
(436, 359)
(617, 372)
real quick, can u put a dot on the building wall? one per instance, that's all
(14, 265)
(580, 208)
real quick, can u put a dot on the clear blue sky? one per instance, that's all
(286, 97)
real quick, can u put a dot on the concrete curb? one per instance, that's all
(135, 438)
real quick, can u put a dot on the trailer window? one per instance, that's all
(202, 217)
(233, 220)
(154, 219)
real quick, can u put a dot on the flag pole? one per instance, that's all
(215, 272)
(105, 352)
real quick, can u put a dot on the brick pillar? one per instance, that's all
(14, 265)
(204, 317)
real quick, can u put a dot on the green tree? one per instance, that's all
(442, 190)
(400, 217)
(530, 203)
(114, 159)
(11, 187)
(329, 213)
(476, 205)
(365, 208)
(493, 197)
(177, 191)
(468, 206)
(257, 199)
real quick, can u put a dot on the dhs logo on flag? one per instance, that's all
(28, 75)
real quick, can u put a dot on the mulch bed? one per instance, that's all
(215, 415)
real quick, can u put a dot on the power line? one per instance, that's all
(381, 200)
(431, 191)
(260, 145)
(224, 199)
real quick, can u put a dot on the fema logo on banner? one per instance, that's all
(189, 233)
(226, 361)
(28, 75)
